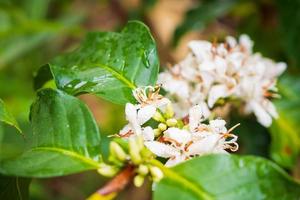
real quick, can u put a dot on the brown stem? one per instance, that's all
(119, 182)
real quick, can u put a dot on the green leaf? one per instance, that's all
(6, 117)
(226, 177)
(289, 19)
(65, 139)
(14, 188)
(197, 18)
(109, 64)
(285, 146)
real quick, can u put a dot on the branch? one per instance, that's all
(119, 182)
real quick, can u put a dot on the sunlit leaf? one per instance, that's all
(65, 139)
(226, 177)
(109, 64)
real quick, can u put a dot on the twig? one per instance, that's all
(119, 182)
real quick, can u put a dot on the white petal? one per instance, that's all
(270, 108)
(218, 126)
(125, 129)
(201, 49)
(216, 92)
(131, 112)
(145, 113)
(131, 116)
(174, 161)
(231, 41)
(162, 150)
(195, 117)
(246, 42)
(204, 146)
(179, 135)
(262, 116)
(148, 133)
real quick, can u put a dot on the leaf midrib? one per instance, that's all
(196, 189)
(72, 154)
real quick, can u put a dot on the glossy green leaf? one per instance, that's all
(14, 188)
(6, 117)
(285, 146)
(226, 177)
(109, 64)
(65, 139)
(197, 18)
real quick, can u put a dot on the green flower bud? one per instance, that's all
(134, 150)
(107, 170)
(162, 126)
(138, 180)
(143, 170)
(172, 122)
(169, 111)
(157, 132)
(156, 173)
(158, 117)
(117, 151)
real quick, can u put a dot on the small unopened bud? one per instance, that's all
(169, 111)
(107, 170)
(172, 122)
(158, 117)
(138, 180)
(162, 126)
(134, 150)
(156, 173)
(117, 151)
(143, 170)
(157, 132)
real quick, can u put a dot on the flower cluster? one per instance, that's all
(175, 139)
(213, 72)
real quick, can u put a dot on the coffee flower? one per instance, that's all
(177, 139)
(228, 70)
(194, 139)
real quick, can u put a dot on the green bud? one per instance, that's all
(158, 117)
(143, 170)
(156, 173)
(162, 126)
(107, 170)
(172, 122)
(134, 150)
(157, 132)
(169, 111)
(117, 151)
(138, 180)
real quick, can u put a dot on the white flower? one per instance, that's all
(179, 145)
(224, 71)
(137, 115)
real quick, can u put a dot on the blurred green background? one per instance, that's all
(34, 31)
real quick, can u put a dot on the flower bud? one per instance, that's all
(172, 122)
(143, 170)
(117, 151)
(157, 132)
(169, 111)
(134, 150)
(158, 117)
(162, 126)
(107, 170)
(156, 173)
(138, 180)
